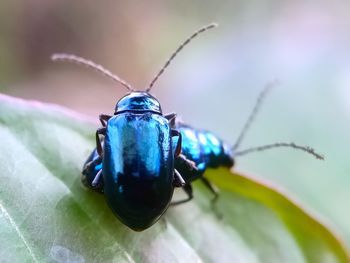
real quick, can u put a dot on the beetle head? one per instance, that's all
(139, 101)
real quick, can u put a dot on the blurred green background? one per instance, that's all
(213, 83)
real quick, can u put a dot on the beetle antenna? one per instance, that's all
(90, 64)
(188, 40)
(255, 110)
(281, 144)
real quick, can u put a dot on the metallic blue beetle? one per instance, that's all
(134, 164)
(138, 161)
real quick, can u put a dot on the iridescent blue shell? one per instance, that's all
(205, 149)
(138, 162)
(138, 167)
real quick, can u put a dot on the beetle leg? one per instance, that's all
(88, 170)
(104, 118)
(97, 179)
(178, 180)
(98, 140)
(189, 191)
(94, 162)
(212, 189)
(215, 191)
(179, 142)
(190, 165)
(171, 118)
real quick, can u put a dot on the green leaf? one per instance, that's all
(46, 215)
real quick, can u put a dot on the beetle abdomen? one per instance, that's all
(138, 168)
(205, 149)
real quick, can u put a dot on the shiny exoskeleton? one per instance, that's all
(137, 154)
(206, 150)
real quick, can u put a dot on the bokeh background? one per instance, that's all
(213, 83)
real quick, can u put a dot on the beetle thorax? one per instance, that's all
(139, 102)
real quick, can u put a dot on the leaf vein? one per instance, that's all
(18, 232)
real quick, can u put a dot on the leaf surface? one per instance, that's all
(46, 214)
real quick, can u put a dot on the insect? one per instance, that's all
(134, 164)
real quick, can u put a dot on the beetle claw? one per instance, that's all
(178, 180)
